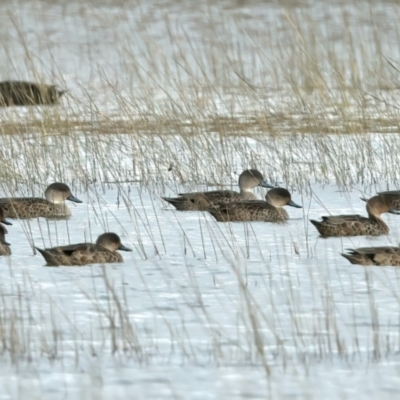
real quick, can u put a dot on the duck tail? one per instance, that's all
(359, 259)
(316, 223)
(47, 256)
(175, 201)
(41, 251)
(349, 257)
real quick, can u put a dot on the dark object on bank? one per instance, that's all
(20, 93)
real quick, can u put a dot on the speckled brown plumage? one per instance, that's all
(32, 207)
(268, 211)
(4, 246)
(102, 252)
(3, 219)
(356, 225)
(52, 206)
(393, 196)
(20, 93)
(200, 201)
(384, 255)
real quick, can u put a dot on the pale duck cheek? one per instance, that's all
(58, 201)
(55, 198)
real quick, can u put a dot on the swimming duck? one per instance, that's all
(384, 255)
(3, 220)
(356, 225)
(102, 252)
(394, 195)
(4, 246)
(200, 201)
(32, 207)
(20, 93)
(269, 210)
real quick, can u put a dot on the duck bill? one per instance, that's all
(74, 199)
(6, 243)
(293, 204)
(267, 185)
(394, 211)
(124, 248)
(6, 222)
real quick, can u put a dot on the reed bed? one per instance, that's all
(327, 85)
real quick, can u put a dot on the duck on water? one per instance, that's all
(270, 210)
(200, 201)
(22, 93)
(52, 206)
(357, 225)
(104, 251)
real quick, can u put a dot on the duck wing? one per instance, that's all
(249, 210)
(211, 196)
(341, 219)
(383, 255)
(68, 250)
(245, 204)
(376, 250)
(390, 193)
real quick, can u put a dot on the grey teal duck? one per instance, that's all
(104, 251)
(384, 255)
(52, 206)
(21, 93)
(269, 210)
(4, 246)
(393, 195)
(200, 201)
(357, 225)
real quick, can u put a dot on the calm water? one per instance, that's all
(183, 309)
